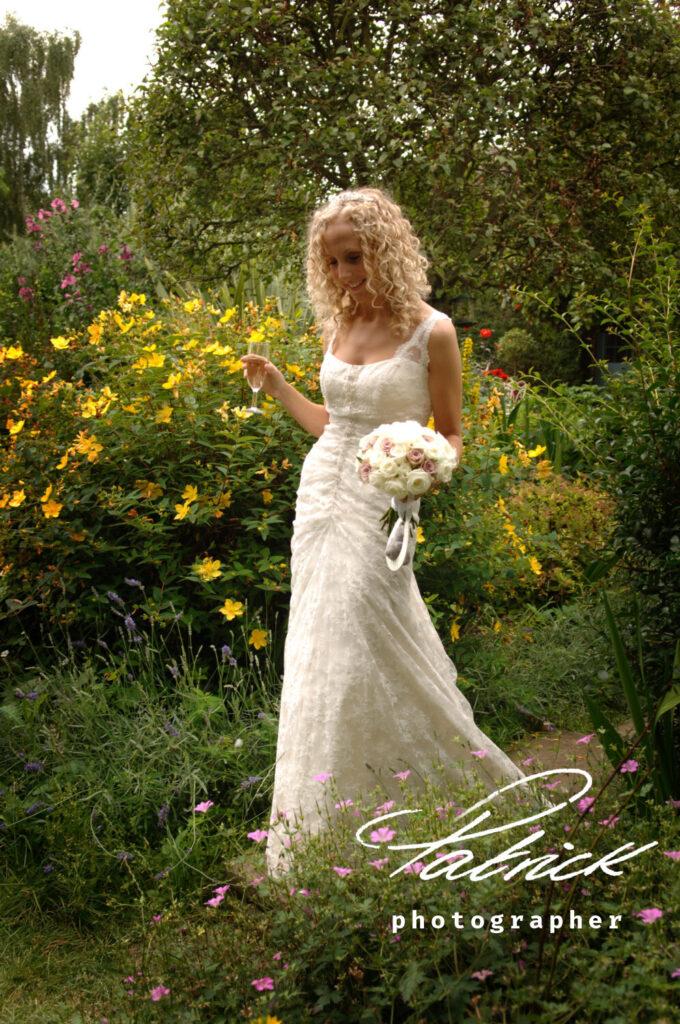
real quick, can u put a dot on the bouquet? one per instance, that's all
(404, 460)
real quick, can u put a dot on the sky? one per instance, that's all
(117, 41)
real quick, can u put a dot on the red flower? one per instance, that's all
(496, 373)
(485, 333)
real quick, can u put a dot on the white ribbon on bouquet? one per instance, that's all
(398, 549)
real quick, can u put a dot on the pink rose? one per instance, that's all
(364, 471)
(415, 456)
(430, 467)
(386, 445)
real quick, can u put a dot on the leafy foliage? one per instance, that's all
(35, 75)
(518, 121)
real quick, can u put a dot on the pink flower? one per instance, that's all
(203, 807)
(344, 804)
(414, 869)
(256, 881)
(402, 775)
(258, 835)
(343, 872)
(415, 456)
(586, 803)
(262, 984)
(528, 760)
(382, 835)
(481, 974)
(69, 280)
(629, 766)
(429, 466)
(158, 993)
(77, 257)
(58, 205)
(479, 753)
(380, 863)
(609, 822)
(221, 889)
(365, 471)
(215, 901)
(322, 777)
(673, 803)
(675, 973)
(673, 854)
(586, 739)
(649, 915)
(75, 204)
(103, 249)
(386, 445)
(384, 808)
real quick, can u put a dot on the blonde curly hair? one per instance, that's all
(395, 266)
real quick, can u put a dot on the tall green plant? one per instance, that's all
(653, 719)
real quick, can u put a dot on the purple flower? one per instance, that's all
(204, 806)
(649, 915)
(34, 766)
(163, 815)
(382, 835)
(124, 857)
(130, 623)
(48, 868)
(125, 254)
(262, 984)
(171, 729)
(112, 596)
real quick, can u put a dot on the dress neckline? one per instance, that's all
(378, 362)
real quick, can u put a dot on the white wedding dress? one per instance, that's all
(368, 688)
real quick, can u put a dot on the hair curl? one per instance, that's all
(395, 266)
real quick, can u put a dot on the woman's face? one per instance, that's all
(342, 249)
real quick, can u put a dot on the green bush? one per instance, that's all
(105, 755)
(71, 263)
(553, 356)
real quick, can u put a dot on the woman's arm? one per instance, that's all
(446, 383)
(310, 415)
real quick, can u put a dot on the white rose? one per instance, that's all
(395, 489)
(389, 468)
(418, 481)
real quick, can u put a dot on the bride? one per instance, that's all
(368, 689)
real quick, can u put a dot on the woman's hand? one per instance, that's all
(272, 379)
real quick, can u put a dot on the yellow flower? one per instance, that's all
(15, 428)
(131, 408)
(420, 538)
(63, 462)
(295, 369)
(89, 446)
(455, 630)
(192, 343)
(430, 423)
(77, 536)
(256, 336)
(258, 638)
(14, 352)
(267, 497)
(59, 342)
(241, 413)
(47, 493)
(192, 306)
(182, 511)
(148, 488)
(228, 314)
(230, 609)
(48, 377)
(124, 327)
(503, 465)
(535, 565)
(4, 498)
(544, 468)
(208, 569)
(17, 498)
(51, 509)
(164, 413)
(190, 493)
(497, 626)
(144, 362)
(172, 381)
(535, 452)
(224, 500)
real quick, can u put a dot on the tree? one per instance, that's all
(504, 128)
(97, 152)
(35, 76)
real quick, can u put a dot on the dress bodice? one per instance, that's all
(360, 397)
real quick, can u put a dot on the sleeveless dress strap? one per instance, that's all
(416, 348)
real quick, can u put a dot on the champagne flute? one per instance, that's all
(256, 371)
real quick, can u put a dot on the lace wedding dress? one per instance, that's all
(368, 688)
